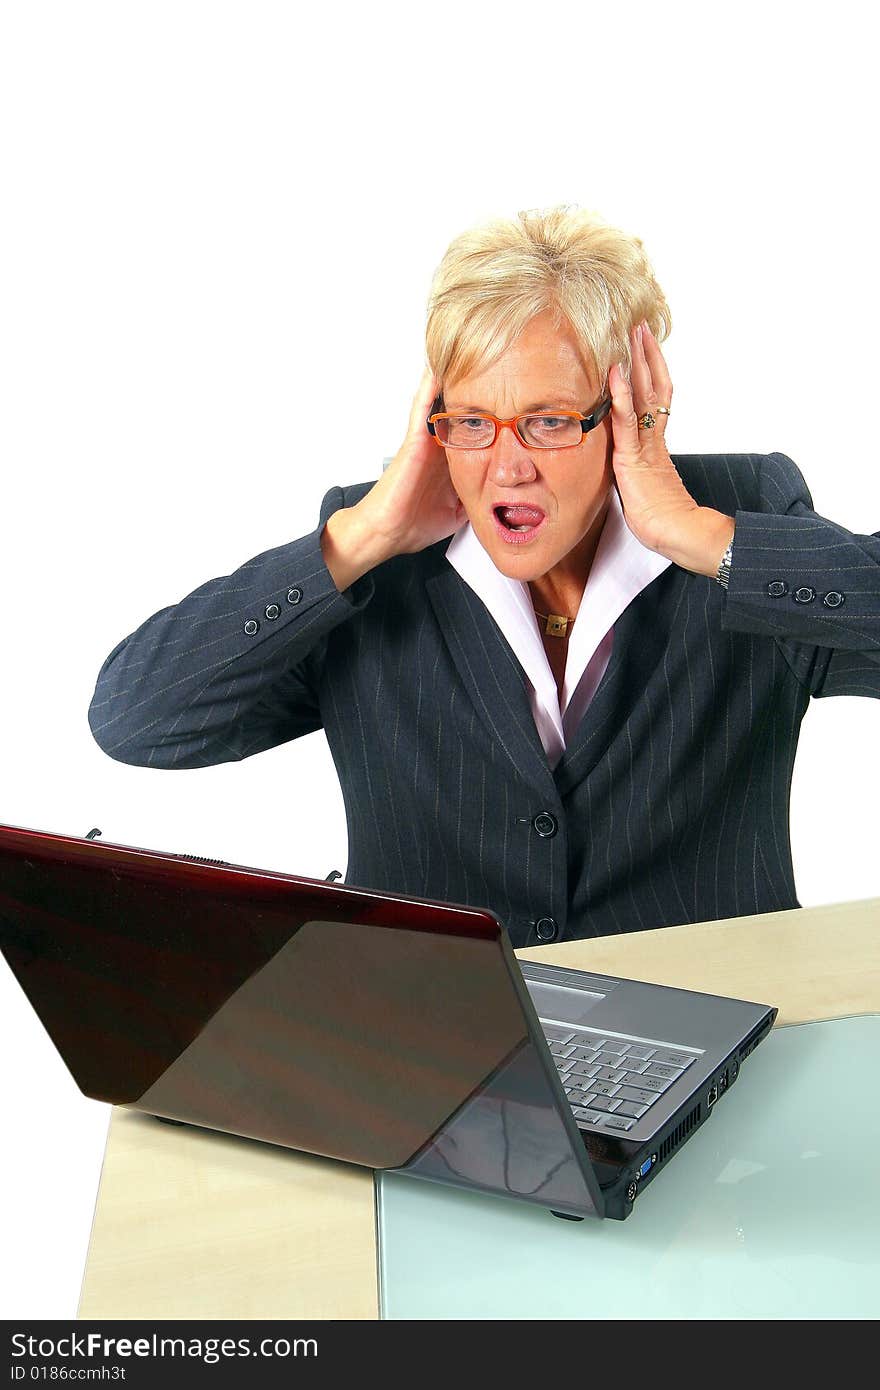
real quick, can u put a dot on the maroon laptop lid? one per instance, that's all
(384, 1030)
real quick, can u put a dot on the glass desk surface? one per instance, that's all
(770, 1210)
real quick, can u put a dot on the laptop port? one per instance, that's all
(713, 1095)
(722, 1082)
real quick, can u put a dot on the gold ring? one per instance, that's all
(647, 421)
(662, 410)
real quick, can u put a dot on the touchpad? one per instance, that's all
(561, 1003)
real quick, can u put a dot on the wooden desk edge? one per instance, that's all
(812, 963)
(226, 1228)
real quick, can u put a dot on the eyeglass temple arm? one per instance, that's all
(436, 407)
(598, 414)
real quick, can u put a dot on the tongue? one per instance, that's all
(520, 516)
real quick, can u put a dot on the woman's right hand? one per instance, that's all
(411, 506)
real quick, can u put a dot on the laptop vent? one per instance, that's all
(680, 1133)
(751, 1043)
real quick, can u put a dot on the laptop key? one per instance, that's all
(554, 1034)
(594, 1117)
(650, 1083)
(578, 1097)
(618, 1122)
(560, 1049)
(609, 1074)
(635, 1050)
(637, 1094)
(633, 1063)
(583, 1054)
(673, 1059)
(601, 1103)
(614, 1045)
(604, 1088)
(629, 1107)
(610, 1059)
(673, 1073)
(584, 1069)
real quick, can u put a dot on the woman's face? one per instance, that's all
(568, 488)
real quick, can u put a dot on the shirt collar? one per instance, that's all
(622, 567)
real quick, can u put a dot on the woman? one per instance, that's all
(582, 710)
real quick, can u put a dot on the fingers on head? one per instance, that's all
(648, 390)
(658, 390)
(623, 415)
(642, 381)
(423, 400)
(618, 381)
(427, 389)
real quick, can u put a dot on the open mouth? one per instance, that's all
(518, 523)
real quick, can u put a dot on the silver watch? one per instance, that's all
(723, 575)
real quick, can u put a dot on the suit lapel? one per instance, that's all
(491, 674)
(641, 638)
(496, 683)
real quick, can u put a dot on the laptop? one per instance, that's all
(380, 1029)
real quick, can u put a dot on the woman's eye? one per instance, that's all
(551, 431)
(473, 422)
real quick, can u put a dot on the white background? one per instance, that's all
(219, 226)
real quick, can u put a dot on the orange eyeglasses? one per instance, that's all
(545, 429)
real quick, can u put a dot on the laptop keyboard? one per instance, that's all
(612, 1082)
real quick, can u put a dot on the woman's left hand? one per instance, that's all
(657, 506)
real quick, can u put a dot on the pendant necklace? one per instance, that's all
(557, 624)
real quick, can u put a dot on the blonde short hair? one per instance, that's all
(497, 277)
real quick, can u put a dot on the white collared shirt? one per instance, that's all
(621, 569)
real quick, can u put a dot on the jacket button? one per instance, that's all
(777, 588)
(546, 928)
(804, 594)
(272, 611)
(833, 599)
(251, 627)
(294, 595)
(545, 824)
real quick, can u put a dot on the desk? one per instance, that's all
(190, 1224)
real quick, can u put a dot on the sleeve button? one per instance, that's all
(777, 588)
(252, 627)
(272, 611)
(805, 594)
(294, 595)
(833, 599)
(546, 928)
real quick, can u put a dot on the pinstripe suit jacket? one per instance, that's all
(670, 803)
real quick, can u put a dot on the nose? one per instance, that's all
(511, 461)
